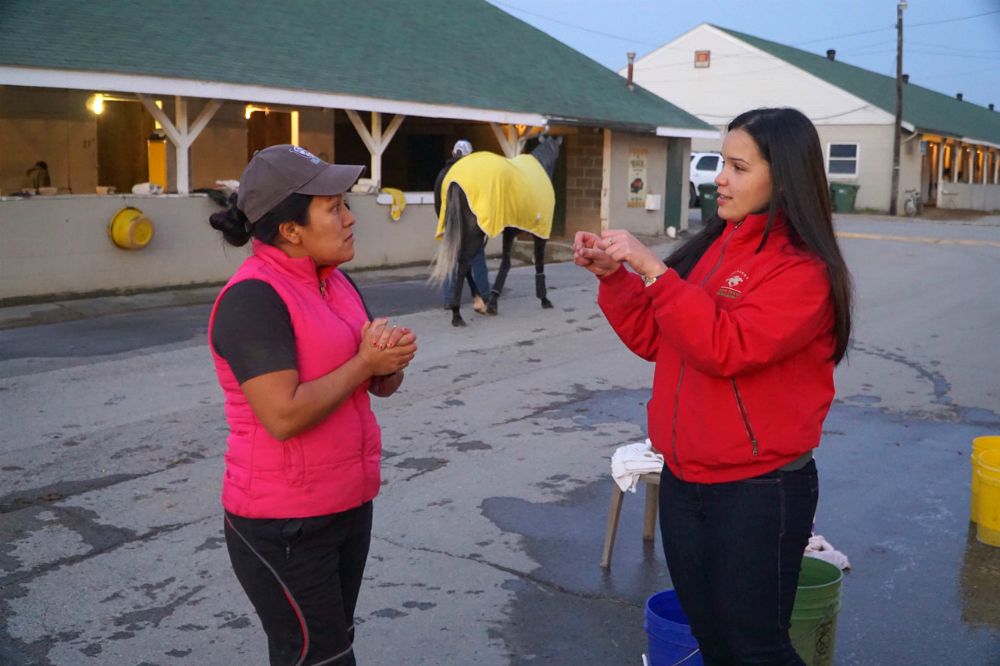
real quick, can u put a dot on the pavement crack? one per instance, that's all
(546, 585)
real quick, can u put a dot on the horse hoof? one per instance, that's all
(458, 322)
(546, 304)
(479, 305)
(491, 309)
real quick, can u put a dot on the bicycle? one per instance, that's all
(912, 205)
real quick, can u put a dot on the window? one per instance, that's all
(707, 163)
(702, 58)
(842, 159)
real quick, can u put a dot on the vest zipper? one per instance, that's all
(745, 417)
(680, 376)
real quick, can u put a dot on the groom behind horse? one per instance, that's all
(486, 195)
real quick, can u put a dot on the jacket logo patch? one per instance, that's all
(729, 288)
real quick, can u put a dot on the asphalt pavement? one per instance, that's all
(496, 482)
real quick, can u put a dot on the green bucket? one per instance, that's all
(814, 615)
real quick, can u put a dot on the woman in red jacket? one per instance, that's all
(745, 323)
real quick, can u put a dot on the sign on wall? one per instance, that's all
(637, 177)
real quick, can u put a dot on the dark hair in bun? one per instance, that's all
(237, 230)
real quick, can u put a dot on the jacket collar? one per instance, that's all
(301, 269)
(751, 228)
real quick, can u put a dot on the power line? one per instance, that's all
(914, 25)
(630, 40)
(953, 20)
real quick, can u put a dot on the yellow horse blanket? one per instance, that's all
(503, 193)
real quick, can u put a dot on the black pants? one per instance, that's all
(734, 551)
(303, 576)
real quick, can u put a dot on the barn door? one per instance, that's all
(267, 128)
(122, 131)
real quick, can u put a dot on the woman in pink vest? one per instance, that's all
(297, 355)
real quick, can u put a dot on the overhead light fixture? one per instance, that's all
(250, 109)
(95, 103)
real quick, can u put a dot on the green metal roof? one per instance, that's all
(925, 109)
(452, 53)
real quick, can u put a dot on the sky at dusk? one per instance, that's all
(949, 46)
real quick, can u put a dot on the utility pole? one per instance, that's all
(898, 129)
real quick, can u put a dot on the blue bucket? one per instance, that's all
(670, 639)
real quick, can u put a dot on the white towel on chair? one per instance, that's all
(631, 461)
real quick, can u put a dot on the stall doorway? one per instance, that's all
(267, 128)
(122, 131)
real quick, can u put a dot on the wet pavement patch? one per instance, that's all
(421, 465)
(470, 445)
(894, 497)
(569, 610)
(894, 493)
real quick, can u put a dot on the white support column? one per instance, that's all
(507, 144)
(179, 134)
(606, 182)
(940, 169)
(970, 173)
(996, 168)
(183, 170)
(985, 166)
(956, 155)
(376, 141)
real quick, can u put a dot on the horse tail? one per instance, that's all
(446, 256)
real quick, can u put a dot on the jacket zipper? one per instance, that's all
(745, 417)
(673, 433)
(680, 376)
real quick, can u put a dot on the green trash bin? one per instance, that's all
(842, 196)
(708, 195)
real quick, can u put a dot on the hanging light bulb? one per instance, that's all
(95, 103)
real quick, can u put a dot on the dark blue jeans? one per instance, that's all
(479, 278)
(734, 551)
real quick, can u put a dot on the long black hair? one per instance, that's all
(237, 230)
(788, 142)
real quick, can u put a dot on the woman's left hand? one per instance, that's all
(622, 246)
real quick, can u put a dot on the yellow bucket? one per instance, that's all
(129, 229)
(979, 444)
(988, 471)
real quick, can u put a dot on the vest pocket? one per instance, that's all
(295, 464)
(237, 476)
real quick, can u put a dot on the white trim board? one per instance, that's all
(156, 85)
(166, 86)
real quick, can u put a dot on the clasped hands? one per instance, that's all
(602, 255)
(386, 349)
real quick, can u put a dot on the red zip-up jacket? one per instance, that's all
(743, 350)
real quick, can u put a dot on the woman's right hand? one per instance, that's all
(386, 349)
(588, 252)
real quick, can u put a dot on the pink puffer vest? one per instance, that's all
(333, 466)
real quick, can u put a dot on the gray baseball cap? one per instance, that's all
(278, 171)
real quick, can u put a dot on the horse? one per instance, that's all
(485, 195)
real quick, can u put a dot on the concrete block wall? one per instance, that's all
(58, 246)
(963, 196)
(584, 165)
